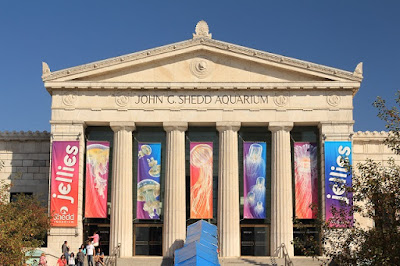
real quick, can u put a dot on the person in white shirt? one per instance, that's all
(71, 259)
(90, 252)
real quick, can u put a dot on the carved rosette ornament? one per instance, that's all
(121, 100)
(201, 67)
(69, 99)
(281, 100)
(202, 30)
(333, 100)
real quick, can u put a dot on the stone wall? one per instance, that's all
(26, 160)
(369, 145)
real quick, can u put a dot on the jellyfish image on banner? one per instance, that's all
(306, 179)
(201, 180)
(148, 178)
(97, 158)
(254, 182)
(148, 190)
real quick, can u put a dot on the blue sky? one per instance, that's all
(69, 33)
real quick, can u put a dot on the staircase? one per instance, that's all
(264, 261)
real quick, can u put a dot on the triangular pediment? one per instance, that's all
(201, 60)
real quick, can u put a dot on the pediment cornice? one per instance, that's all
(88, 85)
(233, 49)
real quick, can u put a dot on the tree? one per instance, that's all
(376, 196)
(23, 223)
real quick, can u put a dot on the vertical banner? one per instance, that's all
(306, 179)
(64, 183)
(338, 177)
(201, 180)
(148, 178)
(97, 158)
(254, 177)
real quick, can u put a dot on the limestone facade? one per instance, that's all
(195, 83)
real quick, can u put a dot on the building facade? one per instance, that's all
(198, 90)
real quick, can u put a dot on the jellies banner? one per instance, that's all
(306, 179)
(254, 177)
(338, 177)
(64, 183)
(148, 181)
(201, 180)
(97, 158)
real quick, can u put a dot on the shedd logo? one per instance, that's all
(64, 215)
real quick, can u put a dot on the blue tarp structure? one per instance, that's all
(200, 246)
(202, 226)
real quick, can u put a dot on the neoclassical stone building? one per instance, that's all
(197, 90)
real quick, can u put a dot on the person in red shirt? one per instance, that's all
(62, 261)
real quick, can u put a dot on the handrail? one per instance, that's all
(113, 257)
(288, 261)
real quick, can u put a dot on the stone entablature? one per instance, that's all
(370, 145)
(370, 136)
(24, 135)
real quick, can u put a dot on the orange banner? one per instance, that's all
(97, 157)
(201, 180)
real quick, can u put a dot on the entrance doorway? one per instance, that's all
(254, 240)
(147, 239)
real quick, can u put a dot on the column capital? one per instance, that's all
(222, 126)
(117, 126)
(336, 130)
(325, 124)
(171, 126)
(276, 126)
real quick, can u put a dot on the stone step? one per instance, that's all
(265, 261)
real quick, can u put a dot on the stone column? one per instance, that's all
(121, 228)
(281, 189)
(228, 190)
(174, 231)
(68, 131)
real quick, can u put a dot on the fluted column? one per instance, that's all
(228, 190)
(174, 231)
(121, 229)
(281, 189)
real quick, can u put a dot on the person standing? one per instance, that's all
(71, 260)
(90, 252)
(42, 260)
(80, 256)
(62, 261)
(83, 249)
(65, 249)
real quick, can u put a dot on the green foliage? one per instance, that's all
(23, 223)
(376, 196)
(392, 118)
